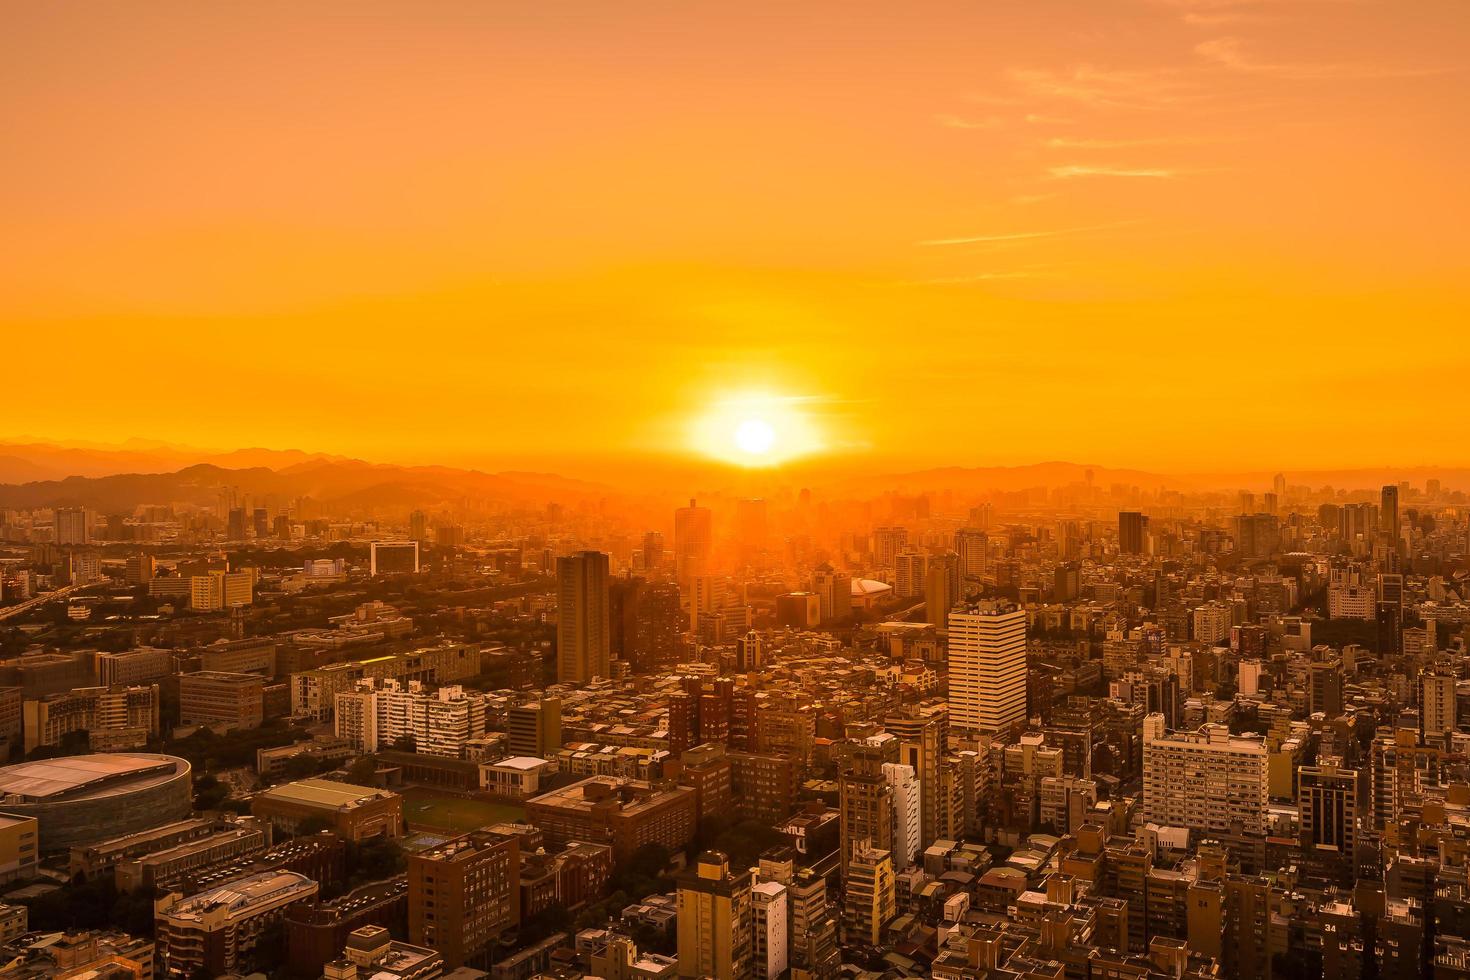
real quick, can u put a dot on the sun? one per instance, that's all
(755, 429)
(755, 436)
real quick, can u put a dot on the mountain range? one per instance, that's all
(118, 478)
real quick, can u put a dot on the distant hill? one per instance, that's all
(119, 477)
(352, 483)
(23, 462)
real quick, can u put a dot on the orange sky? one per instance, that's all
(1181, 234)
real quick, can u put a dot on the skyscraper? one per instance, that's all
(866, 803)
(653, 550)
(971, 544)
(463, 893)
(987, 667)
(716, 937)
(834, 593)
(941, 588)
(1205, 780)
(923, 734)
(908, 574)
(906, 832)
(1132, 532)
(870, 896)
(72, 525)
(583, 631)
(1067, 582)
(888, 542)
(624, 596)
(693, 543)
(1388, 515)
(772, 930)
(659, 628)
(1327, 806)
(534, 729)
(1257, 535)
(1324, 687)
(814, 953)
(1437, 705)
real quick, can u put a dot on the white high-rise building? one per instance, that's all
(1212, 622)
(971, 544)
(987, 668)
(1251, 672)
(1204, 780)
(888, 542)
(772, 927)
(909, 569)
(72, 525)
(1437, 705)
(439, 722)
(1352, 602)
(907, 836)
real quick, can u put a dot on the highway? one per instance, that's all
(45, 597)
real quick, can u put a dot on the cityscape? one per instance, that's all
(764, 491)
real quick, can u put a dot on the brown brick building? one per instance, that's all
(221, 699)
(764, 787)
(463, 894)
(626, 813)
(353, 812)
(317, 931)
(706, 770)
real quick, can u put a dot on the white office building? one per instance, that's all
(1205, 780)
(987, 668)
(772, 927)
(907, 829)
(439, 722)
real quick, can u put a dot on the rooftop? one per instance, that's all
(83, 776)
(522, 762)
(869, 586)
(630, 795)
(326, 793)
(241, 894)
(223, 676)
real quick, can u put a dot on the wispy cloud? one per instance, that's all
(962, 122)
(1108, 88)
(1036, 119)
(1073, 171)
(1231, 5)
(1022, 236)
(993, 99)
(981, 277)
(1219, 18)
(1219, 13)
(1229, 52)
(1068, 143)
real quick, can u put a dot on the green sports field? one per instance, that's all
(426, 809)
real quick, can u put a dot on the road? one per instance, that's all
(45, 597)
